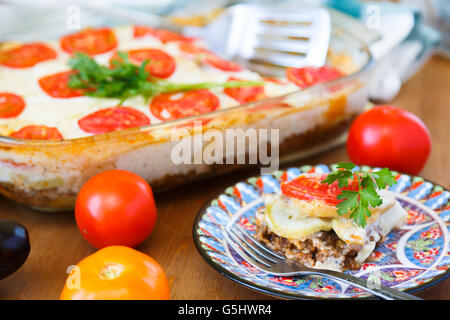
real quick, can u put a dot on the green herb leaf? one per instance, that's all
(125, 80)
(350, 201)
(346, 165)
(357, 202)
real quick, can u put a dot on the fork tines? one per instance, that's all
(252, 250)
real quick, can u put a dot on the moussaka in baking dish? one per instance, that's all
(56, 135)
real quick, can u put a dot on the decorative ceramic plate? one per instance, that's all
(411, 258)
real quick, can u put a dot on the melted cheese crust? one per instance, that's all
(42, 109)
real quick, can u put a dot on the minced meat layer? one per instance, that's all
(322, 250)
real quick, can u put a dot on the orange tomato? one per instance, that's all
(117, 273)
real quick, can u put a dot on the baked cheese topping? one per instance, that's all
(34, 91)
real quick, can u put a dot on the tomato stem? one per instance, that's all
(110, 271)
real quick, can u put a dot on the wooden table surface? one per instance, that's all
(57, 244)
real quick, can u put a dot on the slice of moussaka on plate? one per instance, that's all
(303, 223)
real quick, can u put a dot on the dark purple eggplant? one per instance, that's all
(14, 247)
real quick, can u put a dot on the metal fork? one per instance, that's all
(266, 260)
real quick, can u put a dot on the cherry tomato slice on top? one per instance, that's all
(11, 105)
(170, 106)
(27, 55)
(245, 94)
(210, 58)
(90, 41)
(163, 35)
(386, 136)
(160, 65)
(37, 133)
(308, 76)
(55, 85)
(309, 187)
(113, 119)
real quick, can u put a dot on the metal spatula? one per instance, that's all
(268, 39)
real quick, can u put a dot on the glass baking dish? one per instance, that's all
(47, 175)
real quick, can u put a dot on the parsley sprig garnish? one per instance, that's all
(125, 79)
(357, 202)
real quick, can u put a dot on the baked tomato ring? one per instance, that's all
(310, 187)
(161, 65)
(35, 132)
(171, 106)
(245, 94)
(113, 119)
(210, 58)
(90, 41)
(163, 35)
(11, 105)
(308, 76)
(222, 64)
(26, 55)
(56, 85)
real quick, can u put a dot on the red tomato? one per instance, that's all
(113, 119)
(37, 133)
(308, 76)
(387, 136)
(90, 41)
(27, 55)
(170, 106)
(245, 94)
(115, 207)
(163, 35)
(11, 105)
(210, 58)
(55, 85)
(310, 187)
(160, 65)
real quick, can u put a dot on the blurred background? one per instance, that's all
(410, 31)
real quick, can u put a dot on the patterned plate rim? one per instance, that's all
(286, 295)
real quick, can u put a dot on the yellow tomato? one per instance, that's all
(117, 273)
